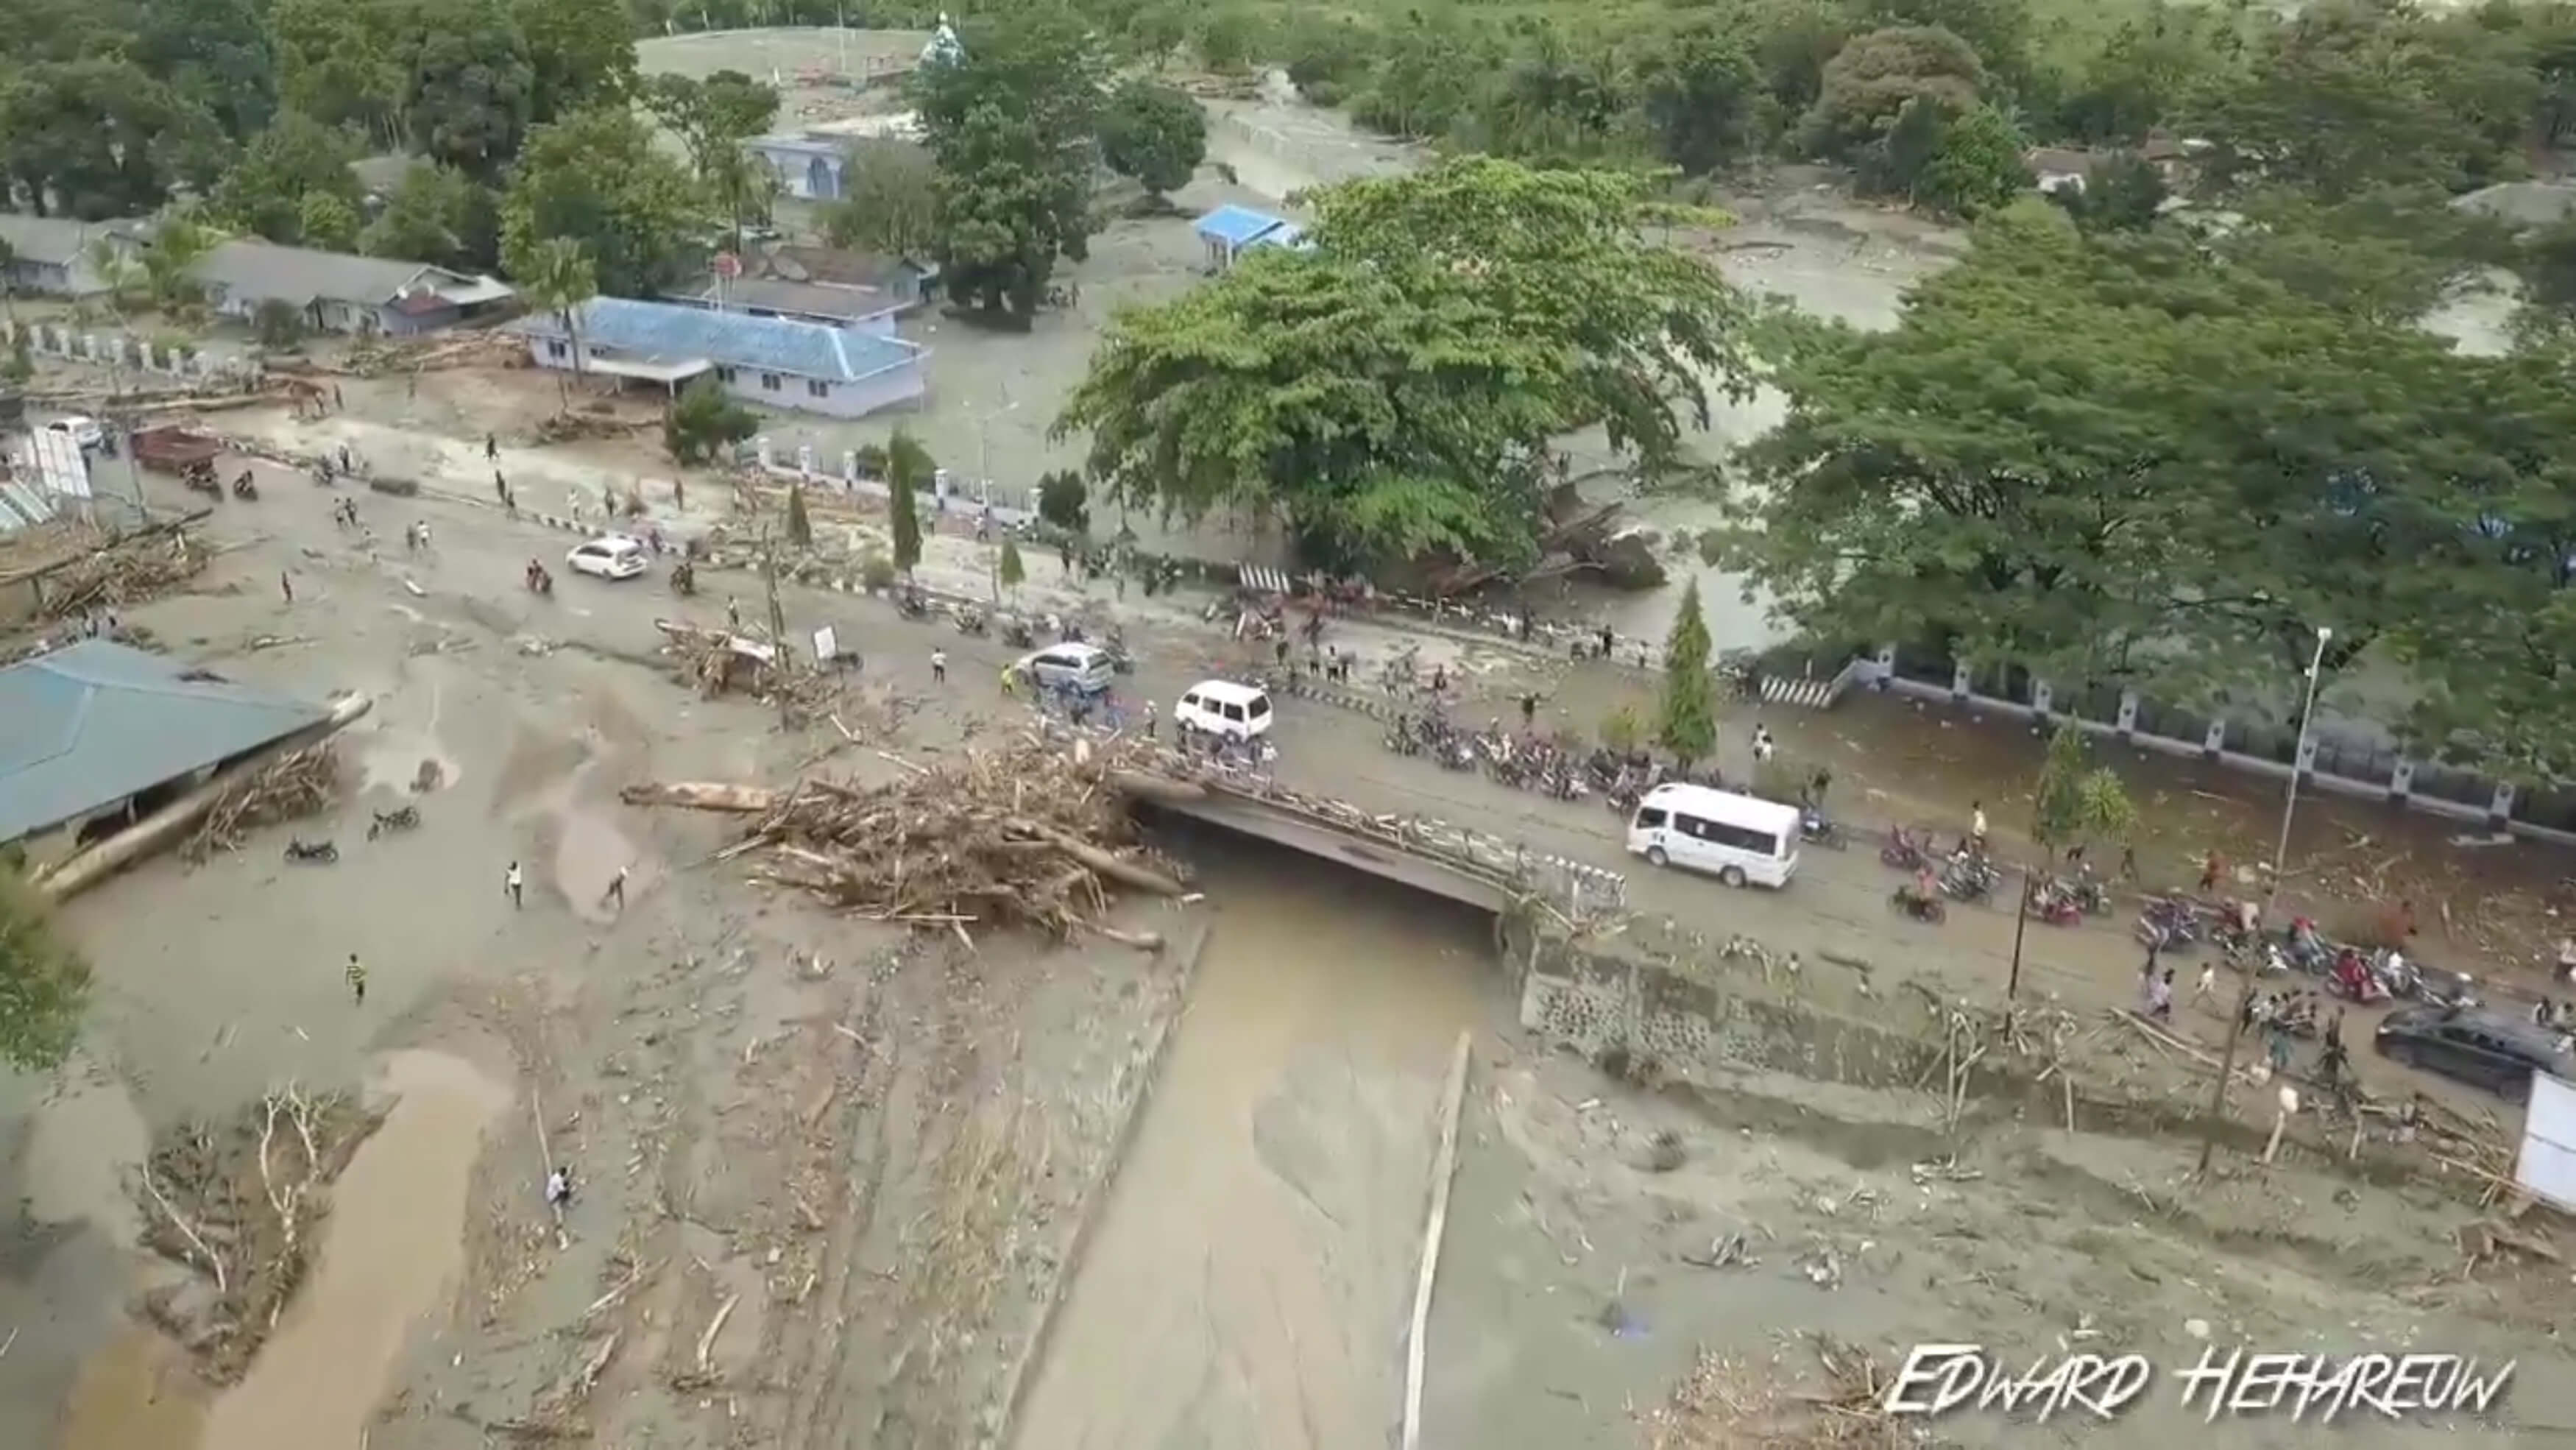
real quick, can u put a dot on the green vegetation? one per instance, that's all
(704, 422)
(2078, 802)
(1686, 717)
(1011, 572)
(44, 982)
(1064, 501)
(800, 525)
(909, 469)
(1012, 128)
(1153, 133)
(1395, 391)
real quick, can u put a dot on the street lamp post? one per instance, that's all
(2271, 898)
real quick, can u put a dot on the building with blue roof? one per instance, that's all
(98, 732)
(1230, 231)
(772, 362)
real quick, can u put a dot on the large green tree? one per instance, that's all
(889, 201)
(2112, 457)
(581, 53)
(1396, 391)
(1686, 712)
(596, 178)
(295, 157)
(1154, 133)
(1870, 81)
(470, 84)
(1698, 90)
(712, 118)
(435, 214)
(1012, 126)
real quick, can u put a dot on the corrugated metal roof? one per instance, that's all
(1238, 226)
(54, 241)
(264, 271)
(22, 507)
(808, 299)
(671, 330)
(97, 722)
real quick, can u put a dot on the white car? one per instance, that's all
(1224, 708)
(610, 556)
(84, 432)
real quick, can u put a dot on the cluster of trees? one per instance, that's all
(1935, 99)
(1396, 391)
(2153, 457)
(1015, 129)
(524, 121)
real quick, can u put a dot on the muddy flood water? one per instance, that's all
(391, 1251)
(1249, 1281)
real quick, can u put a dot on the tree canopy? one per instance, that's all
(2115, 457)
(596, 178)
(1154, 133)
(1395, 391)
(1013, 130)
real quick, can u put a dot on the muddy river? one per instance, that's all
(1250, 1278)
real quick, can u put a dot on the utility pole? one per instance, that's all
(2280, 863)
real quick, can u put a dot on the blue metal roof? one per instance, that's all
(94, 723)
(672, 332)
(1238, 226)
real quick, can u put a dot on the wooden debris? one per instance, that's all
(1023, 836)
(122, 574)
(298, 784)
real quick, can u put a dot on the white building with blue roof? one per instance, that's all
(1230, 231)
(771, 362)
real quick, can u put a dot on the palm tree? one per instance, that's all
(560, 279)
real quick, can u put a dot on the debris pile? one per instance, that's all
(238, 1202)
(449, 350)
(718, 662)
(122, 574)
(298, 784)
(1725, 1405)
(1021, 836)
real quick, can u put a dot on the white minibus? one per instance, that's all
(1735, 838)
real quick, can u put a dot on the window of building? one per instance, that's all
(555, 348)
(769, 382)
(817, 390)
(725, 375)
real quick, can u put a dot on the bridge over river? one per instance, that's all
(1463, 865)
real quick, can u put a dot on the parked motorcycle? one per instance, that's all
(911, 605)
(404, 819)
(244, 489)
(1904, 850)
(1970, 878)
(1908, 902)
(974, 622)
(320, 853)
(2168, 925)
(200, 478)
(2055, 902)
(1815, 830)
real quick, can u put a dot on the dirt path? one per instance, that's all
(1245, 1291)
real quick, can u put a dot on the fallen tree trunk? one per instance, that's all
(1126, 873)
(80, 871)
(700, 795)
(1156, 788)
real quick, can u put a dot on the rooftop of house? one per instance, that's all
(2060, 160)
(835, 267)
(1241, 226)
(804, 299)
(95, 723)
(265, 271)
(54, 241)
(799, 145)
(678, 331)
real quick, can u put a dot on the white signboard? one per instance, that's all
(827, 645)
(2547, 1167)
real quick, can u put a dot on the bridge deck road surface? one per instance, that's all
(1837, 905)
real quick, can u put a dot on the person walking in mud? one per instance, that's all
(515, 883)
(1977, 827)
(559, 1190)
(733, 615)
(356, 973)
(616, 892)
(492, 451)
(939, 667)
(286, 586)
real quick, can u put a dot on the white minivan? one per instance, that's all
(1224, 709)
(1735, 838)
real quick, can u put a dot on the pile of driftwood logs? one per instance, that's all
(1026, 835)
(122, 574)
(298, 784)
